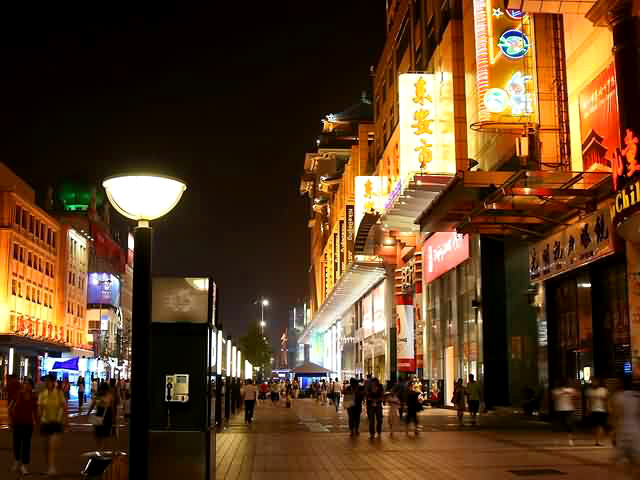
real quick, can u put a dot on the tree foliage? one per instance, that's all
(255, 347)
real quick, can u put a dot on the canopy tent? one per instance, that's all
(70, 364)
(309, 369)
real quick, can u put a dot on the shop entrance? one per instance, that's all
(449, 367)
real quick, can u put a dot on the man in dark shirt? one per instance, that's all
(375, 396)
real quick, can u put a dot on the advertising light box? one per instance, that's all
(442, 252)
(103, 289)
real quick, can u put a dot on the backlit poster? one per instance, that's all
(367, 315)
(505, 63)
(379, 322)
(406, 342)
(599, 121)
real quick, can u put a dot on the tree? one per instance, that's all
(255, 347)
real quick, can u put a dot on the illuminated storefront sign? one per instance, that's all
(590, 238)
(420, 150)
(442, 252)
(369, 197)
(599, 121)
(350, 233)
(103, 289)
(505, 57)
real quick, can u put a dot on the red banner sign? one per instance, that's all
(442, 252)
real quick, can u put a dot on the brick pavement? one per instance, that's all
(310, 441)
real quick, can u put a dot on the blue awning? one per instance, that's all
(70, 364)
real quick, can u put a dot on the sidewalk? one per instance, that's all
(310, 440)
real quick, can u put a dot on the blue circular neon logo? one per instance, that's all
(514, 44)
(514, 14)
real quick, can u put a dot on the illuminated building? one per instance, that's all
(339, 280)
(30, 244)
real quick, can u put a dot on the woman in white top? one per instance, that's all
(598, 396)
(564, 401)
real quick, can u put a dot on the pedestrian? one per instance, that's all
(52, 410)
(66, 389)
(296, 389)
(458, 400)
(250, 395)
(393, 402)
(275, 394)
(323, 393)
(81, 396)
(375, 397)
(126, 406)
(354, 395)
(23, 415)
(564, 403)
(598, 395)
(102, 421)
(264, 390)
(336, 394)
(474, 394)
(626, 420)
(115, 395)
(414, 405)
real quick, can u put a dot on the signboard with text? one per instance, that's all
(406, 338)
(589, 239)
(442, 252)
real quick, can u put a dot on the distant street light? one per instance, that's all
(141, 197)
(263, 303)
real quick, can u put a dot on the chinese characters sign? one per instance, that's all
(576, 245)
(505, 57)
(419, 147)
(599, 122)
(369, 197)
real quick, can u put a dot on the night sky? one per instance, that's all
(226, 96)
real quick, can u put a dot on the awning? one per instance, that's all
(580, 7)
(403, 208)
(309, 368)
(69, 364)
(360, 277)
(507, 203)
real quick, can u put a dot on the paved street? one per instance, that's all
(312, 441)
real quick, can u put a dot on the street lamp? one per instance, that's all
(141, 197)
(263, 303)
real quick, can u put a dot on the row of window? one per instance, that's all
(39, 229)
(76, 249)
(76, 280)
(33, 260)
(31, 293)
(75, 309)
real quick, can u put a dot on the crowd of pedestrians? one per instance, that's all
(44, 408)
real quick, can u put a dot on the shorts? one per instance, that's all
(599, 419)
(51, 428)
(566, 420)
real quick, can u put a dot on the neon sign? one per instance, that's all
(505, 62)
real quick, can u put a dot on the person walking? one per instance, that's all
(414, 405)
(474, 394)
(52, 410)
(81, 396)
(458, 400)
(94, 387)
(250, 394)
(375, 397)
(23, 415)
(598, 396)
(275, 393)
(337, 394)
(626, 421)
(394, 404)
(103, 419)
(564, 403)
(323, 392)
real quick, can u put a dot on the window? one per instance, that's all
(29, 263)
(19, 289)
(32, 224)
(14, 286)
(70, 278)
(53, 239)
(22, 254)
(37, 228)
(48, 236)
(18, 218)
(24, 219)
(16, 252)
(40, 264)
(28, 295)
(38, 297)
(46, 268)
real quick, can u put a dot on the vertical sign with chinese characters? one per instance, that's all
(336, 257)
(505, 63)
(343, 241)
(420, 151)
(368, 196)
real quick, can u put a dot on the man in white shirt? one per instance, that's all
(598, 395)
(250, 393)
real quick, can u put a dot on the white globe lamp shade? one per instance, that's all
(265, 302)
(143, 197)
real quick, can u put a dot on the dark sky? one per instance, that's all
(227, 96)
